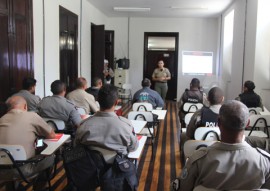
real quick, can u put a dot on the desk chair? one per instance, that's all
(57, 124)
(259, 122)
(125, 92)
(81, 111)
(192, 107)
(207, 134)
(14, 157)
(149, 130)
(254, 110)
(191, 146)
(142, 106)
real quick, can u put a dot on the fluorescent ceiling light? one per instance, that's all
(189, 8)
(127, 9)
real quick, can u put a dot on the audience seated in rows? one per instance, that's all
(58, 107)
(191, 95)
(231, 164)
(94, 89)
(249, 97)
(81, 98)
(106, 130)
(19, 127)
(148, 95)
(28, 93)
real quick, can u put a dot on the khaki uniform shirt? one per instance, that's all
(58, 107)
(158, 73)
(108, 131)
(227, 167)
(84, 100)
(19, 127)
(31, 99)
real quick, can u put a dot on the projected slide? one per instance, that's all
(197, 63)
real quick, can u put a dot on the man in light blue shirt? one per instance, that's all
(148, 95)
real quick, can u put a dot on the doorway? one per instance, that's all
(162, 46)
(68, 38)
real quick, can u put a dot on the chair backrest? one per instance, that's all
(187, 118)
(192, 107)
(127, 86)
(141, 115)
(57, 124)
(142, 106)
(11, 152)
(81, 111)
(254, 110)
(207, 133)
(259, 121)
(192, 145)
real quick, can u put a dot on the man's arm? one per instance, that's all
(188, 177)
(134, 143)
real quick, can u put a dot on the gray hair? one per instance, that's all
(234, 115)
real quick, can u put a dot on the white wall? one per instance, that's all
(46, 55)
(194, 34)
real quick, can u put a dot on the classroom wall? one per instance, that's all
(46, 39)
(199, 34)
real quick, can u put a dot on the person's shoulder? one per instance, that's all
(197, 155)
(124, 120)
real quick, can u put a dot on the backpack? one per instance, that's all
(121, 176)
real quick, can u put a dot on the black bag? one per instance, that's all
(122, 176)
(84, 167)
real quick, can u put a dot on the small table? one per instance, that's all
(161, 113)
(137, 153)
(138, 125)
(53, 145)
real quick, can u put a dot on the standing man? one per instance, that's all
(19, 127)
(161, 75)
(81, 98)
(28, 93)
(58, 107)
(105, 131)
(148, 95)
(230, 164)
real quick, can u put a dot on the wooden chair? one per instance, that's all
(207, 134)
(14, 157)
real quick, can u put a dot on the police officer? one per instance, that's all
(249, 97)
(231, 164)
(105, 131)
(58, 107)
(161, 75)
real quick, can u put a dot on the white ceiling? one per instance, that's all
(162, 8)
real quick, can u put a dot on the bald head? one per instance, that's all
(16, 102)
(233, 116)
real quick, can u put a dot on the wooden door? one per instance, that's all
(16, 45)
(97, 50)
(170, 58)
(68, 27)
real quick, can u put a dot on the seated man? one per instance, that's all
(231, 164)
(206, 117)
(58, 107)
(249, 97)
(19, 127)
(95, 87)
(260, 142)
(28, 93)
(192, 95)
(81, 98)
(148, 95)
(105, 129)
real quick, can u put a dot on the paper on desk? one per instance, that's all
(139, 137)
(57, 137)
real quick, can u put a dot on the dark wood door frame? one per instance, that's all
(172, 84)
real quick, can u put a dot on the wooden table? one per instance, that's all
(161, 113)
(138, 125)
(53, 145)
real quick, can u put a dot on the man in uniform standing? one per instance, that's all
(231, 164)
(58, 107)
(105, 131)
